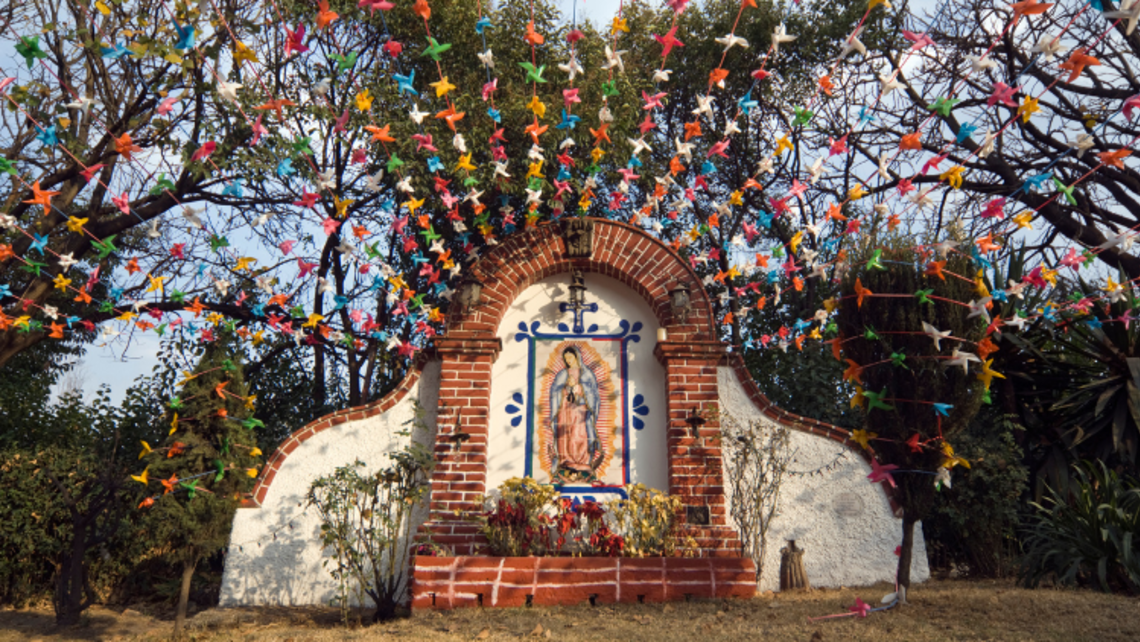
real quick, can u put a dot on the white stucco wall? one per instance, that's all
(506, 452)
(850, 547)
(286, 570)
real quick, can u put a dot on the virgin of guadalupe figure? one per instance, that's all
(573, 420)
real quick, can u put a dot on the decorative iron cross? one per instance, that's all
(577, 303)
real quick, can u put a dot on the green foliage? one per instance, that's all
(1083, 379)
(209, 454)
(367, 521)
(881, 327)
(974, 523)
(1087, 537)
(649, 521)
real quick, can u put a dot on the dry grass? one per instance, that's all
(939, 611)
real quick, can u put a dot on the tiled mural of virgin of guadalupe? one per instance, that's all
(581, 417)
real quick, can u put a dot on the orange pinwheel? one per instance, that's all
(854, 372)
(911, 141)
(934, 268)
(1114, 159)
(717, 75)
(278, 105)
(41, 197)
(861, 292)
(278, 299)
(324, 16)
(421, 9)
(196, 307)
(987, 243)
(56, 331)
(221, 389)
(825, 85)
(675, 166)
(169, 484)
(380, 134)
(1077, 62)
(125, 147)
(533, 37)
(835, 213)
(450, 116)
(1028, 8)
(692, 130)
(600, 133)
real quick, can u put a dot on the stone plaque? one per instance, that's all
(848, 505)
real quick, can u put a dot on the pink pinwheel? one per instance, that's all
(259, 130)
(407, 349)
(399, 224)
(1130, 104)
(668, 41)
(653, 101)
(286, 246)
(167, 105)
(308, 199)
(306, 268)
(861, 608)
(7, 81)
(1003, 94)
(123, 202)
(204, 151)
(295, 40)
(330, 225)
(570, 96)
(425, 142)
(1073, 259)
(374, 5)
(489, 89)
(90, 172)
(837, 146)
(797, 189)
(881, 473)
(718, 149)
(340, 122)
(919, 40)
(994, 209)
(393, 48)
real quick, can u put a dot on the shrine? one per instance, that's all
(597, 314)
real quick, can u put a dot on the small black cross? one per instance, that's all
(577, 303)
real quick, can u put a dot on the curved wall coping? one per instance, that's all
(797, 422)
(276, 461)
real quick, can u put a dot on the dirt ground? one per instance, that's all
(939, 611)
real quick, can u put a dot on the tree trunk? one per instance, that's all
(183, 598)
(69, 583)
(903, 576)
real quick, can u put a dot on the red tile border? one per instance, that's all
(458, 582)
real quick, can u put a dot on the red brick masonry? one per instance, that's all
(454, 582)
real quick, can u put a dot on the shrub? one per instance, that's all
(648, 521)
(526, 518)
(367, 522)
(1087, 536)
(520, 521)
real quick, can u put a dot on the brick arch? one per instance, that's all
(621, 251)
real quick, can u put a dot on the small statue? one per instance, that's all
(792, 575)
(579, 236)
